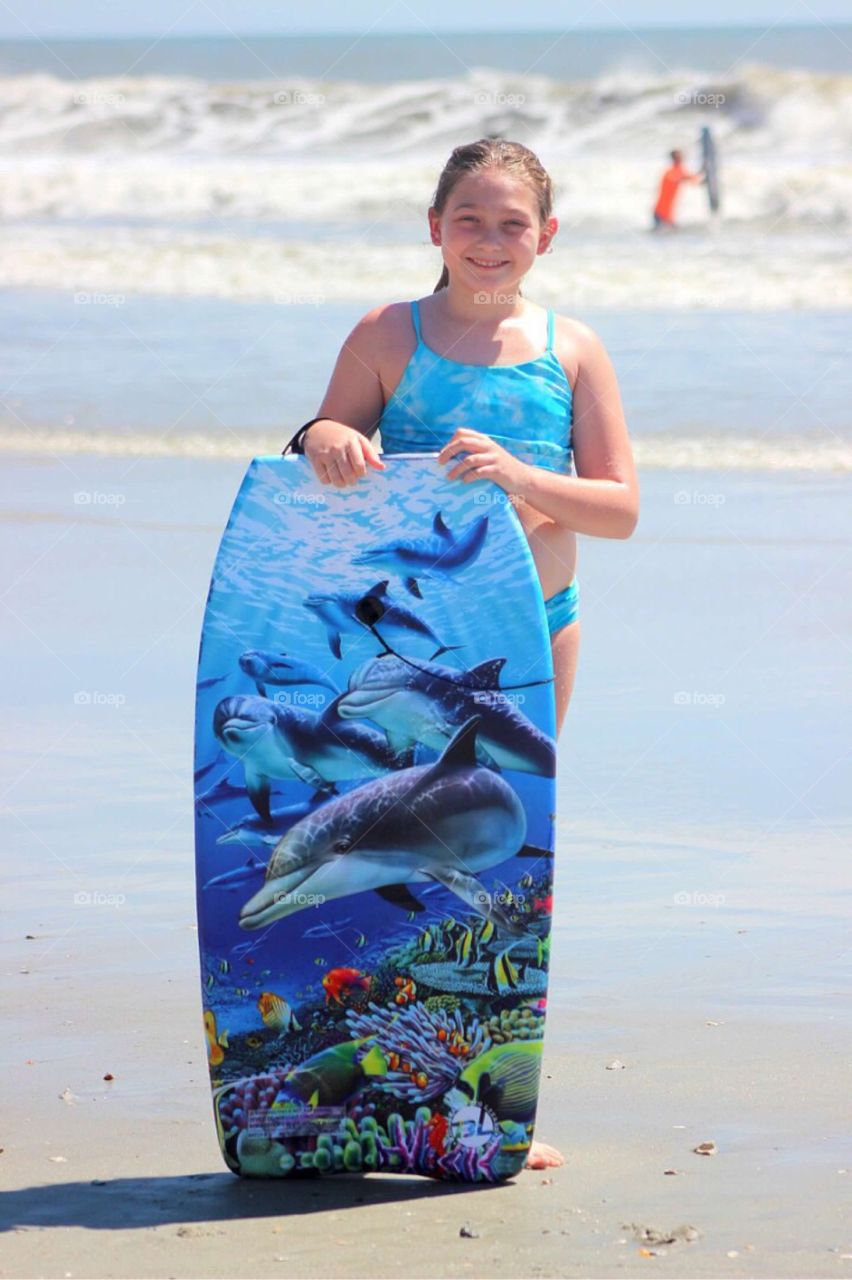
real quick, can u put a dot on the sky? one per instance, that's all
(22, 19)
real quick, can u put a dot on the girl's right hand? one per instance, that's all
(339, 454)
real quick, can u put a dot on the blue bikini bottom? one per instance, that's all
(563, 608)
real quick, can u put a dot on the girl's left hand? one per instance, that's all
(486, 460)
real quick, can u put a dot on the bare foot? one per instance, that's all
(542, 1156)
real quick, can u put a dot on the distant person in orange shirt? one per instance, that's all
(669, 187)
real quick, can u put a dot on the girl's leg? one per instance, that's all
(566, 648)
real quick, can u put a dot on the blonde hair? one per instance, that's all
(493, 153)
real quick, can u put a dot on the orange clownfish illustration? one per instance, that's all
(407, 990)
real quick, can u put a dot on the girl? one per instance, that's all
(503, 388)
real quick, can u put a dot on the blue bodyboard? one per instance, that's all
(375, 813)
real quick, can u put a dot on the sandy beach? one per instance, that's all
(701, 934)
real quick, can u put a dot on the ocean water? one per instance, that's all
(207, 218)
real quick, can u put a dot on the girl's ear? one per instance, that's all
(435, 226)
(546, 234)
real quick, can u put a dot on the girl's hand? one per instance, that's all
(339, 454)
(486, 460)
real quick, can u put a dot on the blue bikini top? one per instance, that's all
(527, 407)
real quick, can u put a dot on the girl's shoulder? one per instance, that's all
(575, 345)
(386, 330)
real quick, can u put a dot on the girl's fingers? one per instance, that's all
(470, 465)
(355, 460)
(335, 472)
(371, 455)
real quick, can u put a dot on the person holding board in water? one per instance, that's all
(670, 185)
(500, 387)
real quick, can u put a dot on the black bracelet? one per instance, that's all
(295, 444)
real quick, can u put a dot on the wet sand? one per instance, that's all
(701, 904)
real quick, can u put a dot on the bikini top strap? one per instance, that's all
(550, 329)
(415, 318)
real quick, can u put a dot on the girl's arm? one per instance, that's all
(338, 446)
(603, 498)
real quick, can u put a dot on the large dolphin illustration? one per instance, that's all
(281, 670)
(437, 555)
(356, 610)
(275, 741)
(427, 702)
(441, 822)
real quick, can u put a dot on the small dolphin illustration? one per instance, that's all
(210, 681)
(427, 702)
(252, 829)
(357, 611)
(276, 741)
(438, 555)
(224, 789)
(233, 879)
(438, 822)
(206, 768)
(278, 669)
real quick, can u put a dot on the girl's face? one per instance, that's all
(489, 230)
